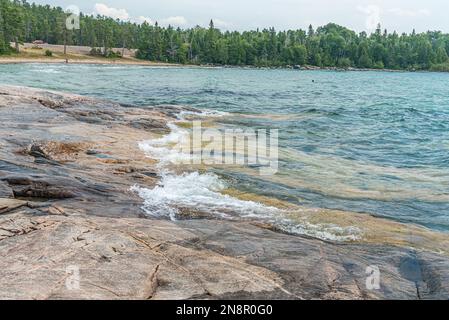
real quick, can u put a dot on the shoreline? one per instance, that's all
(30, 53)
(105, 61)
(5, 60)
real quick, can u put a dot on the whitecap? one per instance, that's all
(203, 192)
(184, 115)
(198, 192)
(167, 148)
(45, 70)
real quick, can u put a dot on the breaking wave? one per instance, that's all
(203, 192)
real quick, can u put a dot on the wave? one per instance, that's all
(198, 192)
(203, 192)
(184, 115)
(162, 149)
(45, 70)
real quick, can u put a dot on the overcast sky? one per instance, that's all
(359, 15)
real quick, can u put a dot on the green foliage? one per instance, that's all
(113, 54)
(330, 45)
(48, 53)
(344, 63)
(441, 55)
(96, 52)
(442, 67)
(379, 65)
(12, 24)
(109, 53)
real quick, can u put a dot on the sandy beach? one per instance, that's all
(123, 61)
(30, 53)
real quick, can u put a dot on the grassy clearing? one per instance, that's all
(31, 55)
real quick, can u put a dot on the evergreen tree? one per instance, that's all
(330, 45)
(441, 55)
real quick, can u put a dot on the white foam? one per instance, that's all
(162, 149)
(45, 70)
(328, 232)
(202, 193)
(198, 192)
(185, 114)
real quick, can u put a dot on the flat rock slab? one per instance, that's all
(7, 205)
(117, 259)
(79, 257)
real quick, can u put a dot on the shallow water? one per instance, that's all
(370, 142)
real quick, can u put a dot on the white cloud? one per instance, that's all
(122, 14)
(104, 10)
(220, 23)
(410, 13)
(282, 14)
(142, 19)
(177, 21)
(372, 13)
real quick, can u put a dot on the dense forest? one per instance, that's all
(327, 46)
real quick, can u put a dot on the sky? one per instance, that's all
(358, 15)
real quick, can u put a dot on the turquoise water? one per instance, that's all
(370, 142)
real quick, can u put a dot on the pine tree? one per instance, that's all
(3, 46)
(13, 23)
(329, 45)
(441, 55)
(311, 32)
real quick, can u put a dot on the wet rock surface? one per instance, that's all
(71, 229)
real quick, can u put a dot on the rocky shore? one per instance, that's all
(66, 167)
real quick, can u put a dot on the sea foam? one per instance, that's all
(203, 192)
(197, 192)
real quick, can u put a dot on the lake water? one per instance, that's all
(368, 142)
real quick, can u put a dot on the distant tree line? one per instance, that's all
(328, 46)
